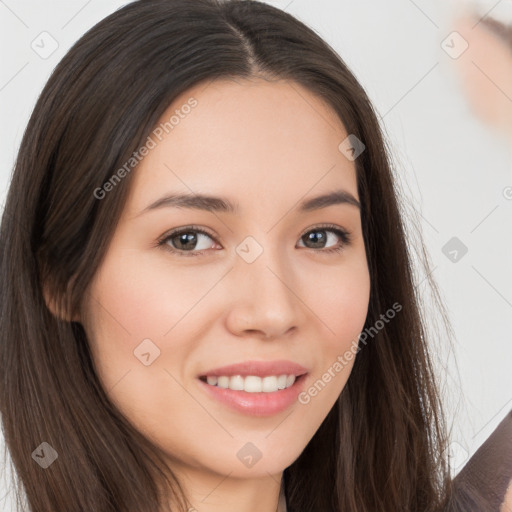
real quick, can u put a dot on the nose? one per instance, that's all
(263, 298)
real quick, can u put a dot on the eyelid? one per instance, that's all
(333, 227)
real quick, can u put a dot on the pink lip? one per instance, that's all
(258, 369)
(256, 404)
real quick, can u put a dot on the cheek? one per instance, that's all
(138, 296)
(132, 302)
(340, 299)
(346, 305)
(125, 307)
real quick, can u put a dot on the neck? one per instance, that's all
(209, 492)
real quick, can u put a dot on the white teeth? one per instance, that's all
(223, 382)
(236, 382)
(269, 384)
(252, 383)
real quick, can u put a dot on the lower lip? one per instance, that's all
(257, 404)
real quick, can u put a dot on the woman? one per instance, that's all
(144, 373)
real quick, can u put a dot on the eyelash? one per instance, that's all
(345, 236)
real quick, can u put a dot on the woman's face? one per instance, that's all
(259, 285)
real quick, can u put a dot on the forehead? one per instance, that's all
(245, 139)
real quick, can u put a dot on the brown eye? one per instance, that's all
(186, 240)
(318, 237)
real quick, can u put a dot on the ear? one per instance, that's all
(51, 304)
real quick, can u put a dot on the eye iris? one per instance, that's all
(313, 236)
(185, 239)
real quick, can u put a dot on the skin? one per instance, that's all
(266, 146)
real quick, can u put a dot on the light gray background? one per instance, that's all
(451, 167)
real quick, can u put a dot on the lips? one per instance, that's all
(257, 368)
(257, 388)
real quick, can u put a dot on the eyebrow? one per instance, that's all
(224, 205)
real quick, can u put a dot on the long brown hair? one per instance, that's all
(380, 448)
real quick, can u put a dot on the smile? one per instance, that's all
(263, 397)
(252, 383)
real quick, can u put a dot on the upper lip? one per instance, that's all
(257, 368)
